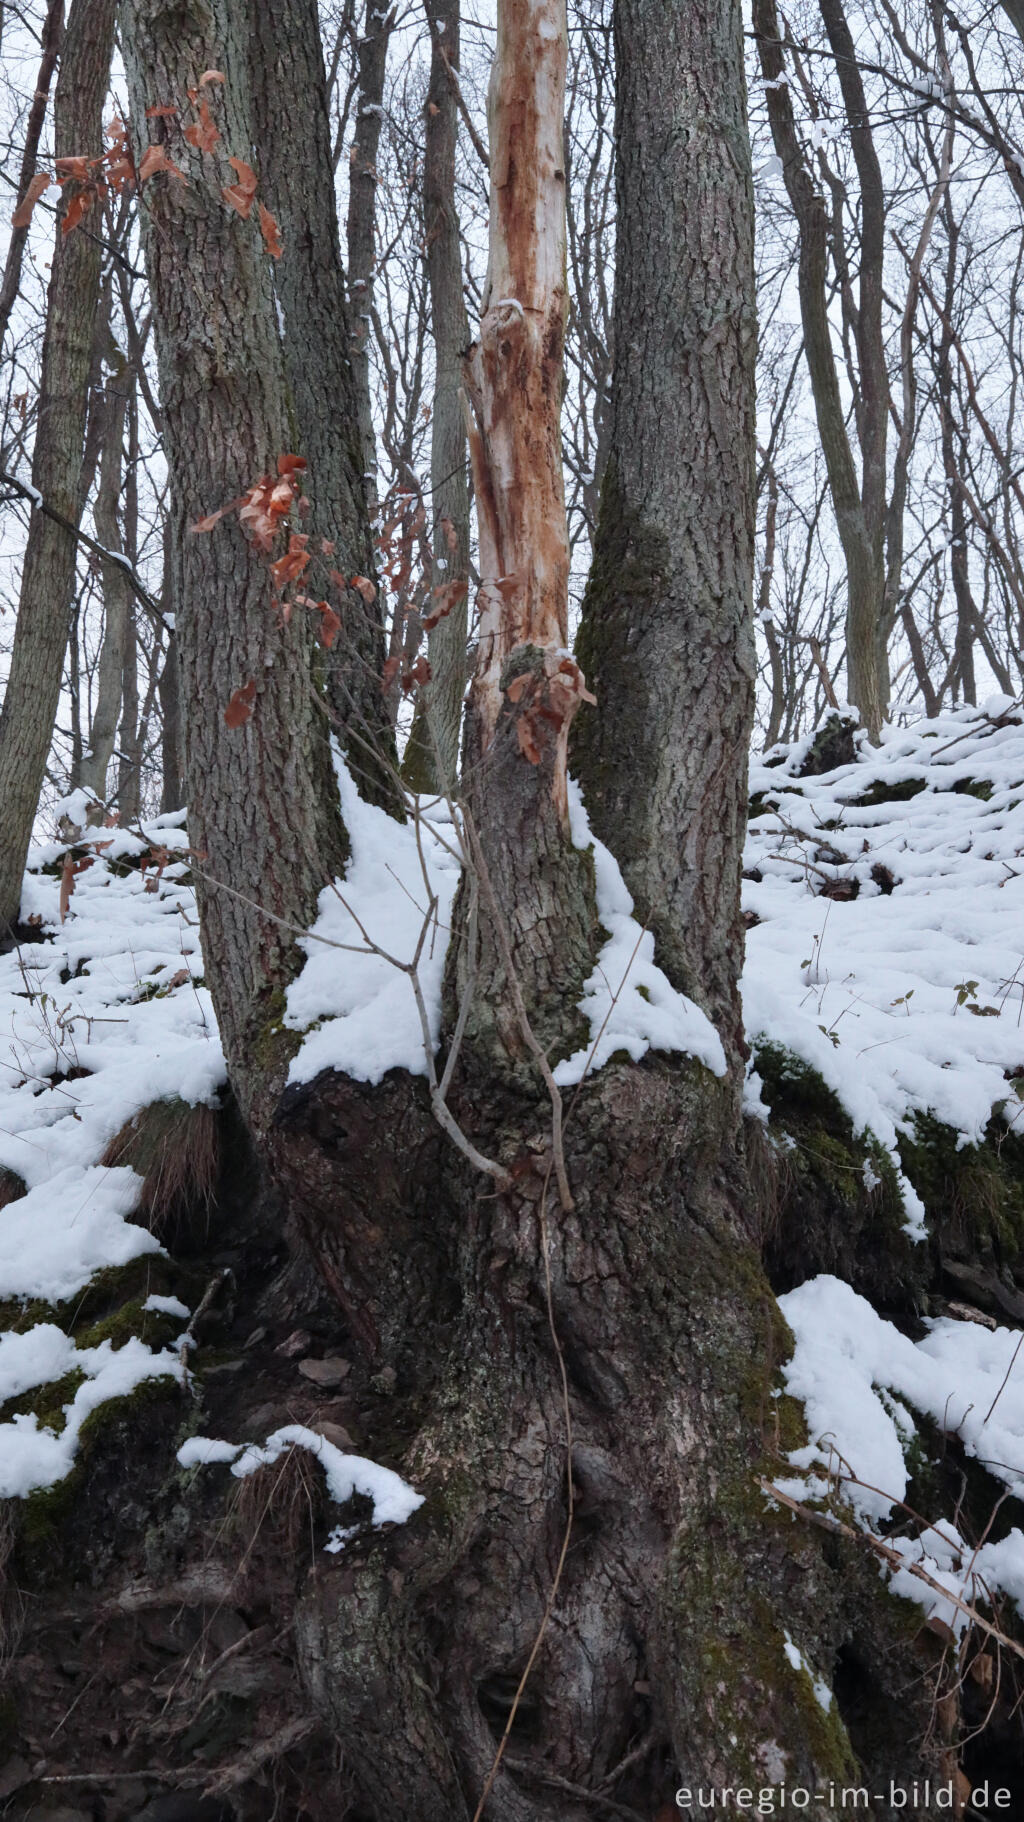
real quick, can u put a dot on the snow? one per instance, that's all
(393, 1499)
(167, 1306)
(357, 1009)
(908, 1002)
(628, 1002)
(33, 1456)
(794, 1656)
(93, 1030)
(860, 1380)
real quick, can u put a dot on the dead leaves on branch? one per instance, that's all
(264, 511)
(93, 179)
(547, 700)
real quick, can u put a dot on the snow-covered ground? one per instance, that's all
(902, 985)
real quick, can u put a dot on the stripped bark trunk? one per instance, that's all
(525, 688)
(48, 572)
(432, 756)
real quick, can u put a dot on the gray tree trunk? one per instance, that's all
(289, 85)
(666, 638)
(859, 505)
(260, 801)
(118, 600)
(432, 755)
(48, 573)
(362, 217)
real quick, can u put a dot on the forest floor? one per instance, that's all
(884, 1002)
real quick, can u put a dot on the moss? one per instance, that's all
(888, 790)
(729, 1673)
(128, 1321)
(974, 787)
(826, 1218)
(975, 1194)
(273, 1042)
(45, 1402)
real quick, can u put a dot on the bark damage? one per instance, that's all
(514, 386)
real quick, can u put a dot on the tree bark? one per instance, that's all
(666, 637)
(118, 601)
(260, 801)
(859, 505)
(53, 25)
(289, 87)
(48, 573)
(571, 1355)
(362, 215)
(432, 756)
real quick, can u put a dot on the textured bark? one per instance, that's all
(260, 804)
(432, 756)
(290, 110)
(667, 1627)
(859, 505)
(479, 1315)
(666, 638)
(53, 24)
(48, 573)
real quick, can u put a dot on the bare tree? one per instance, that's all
(48, 573)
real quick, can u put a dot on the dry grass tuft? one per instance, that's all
(175, 1149)
(276, 1508)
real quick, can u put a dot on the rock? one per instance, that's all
(13, 1774)
(295, 1343)
(335, 1433)
(329, 1372)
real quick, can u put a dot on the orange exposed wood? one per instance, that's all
(514, 372)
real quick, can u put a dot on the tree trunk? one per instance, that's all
(362, 215)
(53, 25)
(859, 507)
(432, 756)
(666, 637)
(259, 794)
(48, 573)
(118, 601)
(289, 86)
(572, 1353)
(599, 1568)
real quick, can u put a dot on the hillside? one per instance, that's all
(146, 1335)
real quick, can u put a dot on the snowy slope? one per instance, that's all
(903, 989)
(908, 996)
